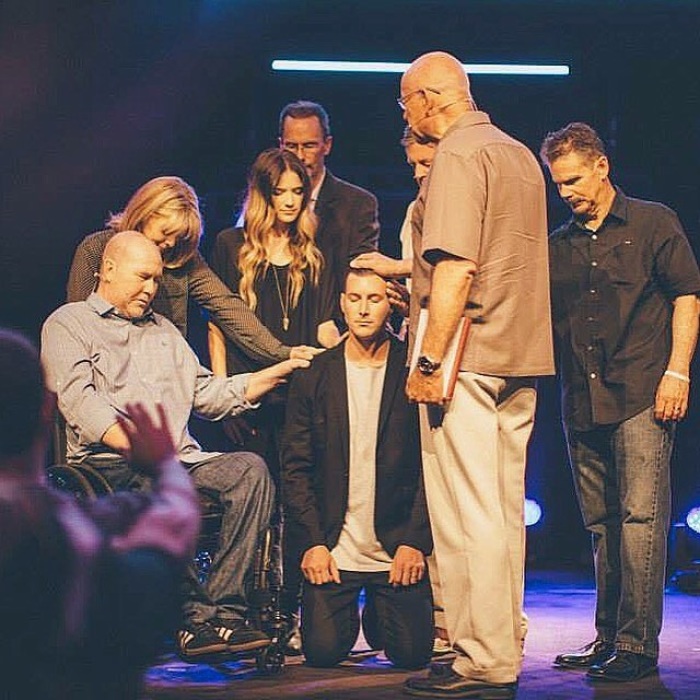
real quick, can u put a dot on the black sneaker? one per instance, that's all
(196, 640)
(238, 635)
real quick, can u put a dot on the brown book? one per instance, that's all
(453, 355)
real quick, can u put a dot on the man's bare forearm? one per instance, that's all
(684, 333)
(116, 439)
(449, 292)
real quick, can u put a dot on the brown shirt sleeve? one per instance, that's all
(454, 208)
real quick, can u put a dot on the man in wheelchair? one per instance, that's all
(112, 350)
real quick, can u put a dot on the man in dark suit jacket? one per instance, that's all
(348, 216)
(353, 491)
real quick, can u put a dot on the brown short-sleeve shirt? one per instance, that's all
(484, 200)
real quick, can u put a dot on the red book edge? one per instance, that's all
(461, 339)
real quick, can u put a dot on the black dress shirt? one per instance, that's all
(612, 294)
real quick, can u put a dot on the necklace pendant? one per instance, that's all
(285, 323)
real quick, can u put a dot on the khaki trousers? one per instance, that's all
(474, 470)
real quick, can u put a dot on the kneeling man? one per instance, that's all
(353, 491)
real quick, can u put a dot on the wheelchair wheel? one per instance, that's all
(98, 483)
(70, 480)
(270, 661)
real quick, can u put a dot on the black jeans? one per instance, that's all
(398, 619)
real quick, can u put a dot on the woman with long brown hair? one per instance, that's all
(275, 266)
(273, 262)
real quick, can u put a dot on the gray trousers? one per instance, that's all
(242, 484)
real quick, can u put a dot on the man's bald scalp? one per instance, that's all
(126, 243)
(440, 71)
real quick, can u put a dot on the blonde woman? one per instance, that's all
(166, 211)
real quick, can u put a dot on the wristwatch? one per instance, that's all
(427, 366)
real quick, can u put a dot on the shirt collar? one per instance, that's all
(471, 118)
(618, 210)
(317, 189)
(103, 308)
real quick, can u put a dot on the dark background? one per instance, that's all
(98, 97)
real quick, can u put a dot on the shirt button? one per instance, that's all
(592, 375)
(589, 348)
(595, 236)
(592, 291)
(590, 319)
(594, 264)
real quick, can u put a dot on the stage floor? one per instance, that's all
(560, 608)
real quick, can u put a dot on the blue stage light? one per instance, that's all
(693, 519)
(395, 67)
(533, 512)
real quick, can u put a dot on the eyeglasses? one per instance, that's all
(308, 147)
(402, 100)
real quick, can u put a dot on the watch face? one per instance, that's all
(426, 365)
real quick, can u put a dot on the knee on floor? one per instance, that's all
(409, 656)
(324, 649)
(322, 656)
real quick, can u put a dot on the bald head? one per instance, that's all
(437, 70)
(129, 243)
(131, 270)
(435, 92)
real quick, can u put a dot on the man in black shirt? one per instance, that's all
(625, 314)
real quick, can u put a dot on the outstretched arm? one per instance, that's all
(237, 321)
(259, 383)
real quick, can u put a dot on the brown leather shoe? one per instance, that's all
(623, 666)
(594, 653)
(443, 682)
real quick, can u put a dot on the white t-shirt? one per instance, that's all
(358, 548)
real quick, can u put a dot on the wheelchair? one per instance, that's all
(265, 608)
(85, 482)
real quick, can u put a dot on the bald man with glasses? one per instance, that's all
(480, 248)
